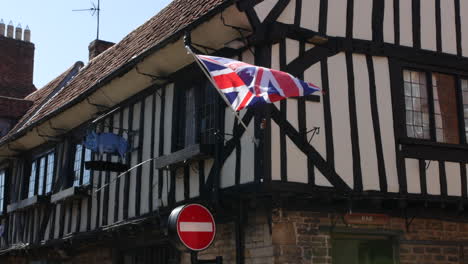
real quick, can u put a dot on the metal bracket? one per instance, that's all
(188, 43)
(314, 131)
(428, 164)
(56, 128)
(52, 138)
(13, 149)
(408, 223)
(98, 106)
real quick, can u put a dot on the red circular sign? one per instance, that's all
(196, 227)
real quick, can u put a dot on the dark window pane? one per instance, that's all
(445, 108)
(32, 180)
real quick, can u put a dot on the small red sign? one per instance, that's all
(366, 219)
(196, 227)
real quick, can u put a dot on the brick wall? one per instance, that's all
(297, 238)
(16, 67)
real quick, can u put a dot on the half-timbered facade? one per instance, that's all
(371, 170)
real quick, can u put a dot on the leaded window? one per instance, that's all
(81, 176)
(42, 173)
(2, 190)
(433, 108)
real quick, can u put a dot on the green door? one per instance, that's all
(350, 249)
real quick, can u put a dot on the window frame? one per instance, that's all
(71, 179)
(192, 78)
(4, 197)
(428, 71)
(35, 160)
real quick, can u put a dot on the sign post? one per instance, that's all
(192, 227)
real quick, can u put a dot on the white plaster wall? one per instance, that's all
(412, 176)
(384, 104)
(362, 19)
(338, 92)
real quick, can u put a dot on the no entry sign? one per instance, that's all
(191, 227)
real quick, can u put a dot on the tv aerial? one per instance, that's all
(93, 10)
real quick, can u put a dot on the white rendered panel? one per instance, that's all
(428, 25)
(315, 118)
(432, 177)
(310, 14)
(452, 173)
(94, 206)
(74, 216)
(194, 180)
(113, 175)
(228, 171)
(179, 185)
(362, 19)
(134, 161)
(229, 118)
(296, 163)
(47, 230)
(336, 18)
(124, 125)
(275, 152)
(406, 23)
(275, 57)
(367, 147)
(384, 105)
(287, 16)
(247, 155)
(412, 176)
(84, 215)
(449, 37)
(464, 27)
(389, 25)
(275, 132)
(165, 187)
(248, 57)
(339, 105)
(58, 207)
(208, 166)
(292, 49)
(291, 113)
(264, 8)
(66, 207)
(157, 123)
(168, 118)
(155, 188)
(145, 169)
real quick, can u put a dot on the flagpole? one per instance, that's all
(205, 71)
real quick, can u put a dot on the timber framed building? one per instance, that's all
(373, 170)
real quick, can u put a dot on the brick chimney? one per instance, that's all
(97, 47)
(16, 61)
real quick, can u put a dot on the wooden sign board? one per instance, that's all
(366, 219)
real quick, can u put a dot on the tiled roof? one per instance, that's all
(176, 16)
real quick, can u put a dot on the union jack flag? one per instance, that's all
(246, 85)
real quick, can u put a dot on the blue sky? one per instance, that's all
(61, 36)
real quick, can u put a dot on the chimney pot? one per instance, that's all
(10, 30)
(2, 28)
(27, 34)
(18, 32)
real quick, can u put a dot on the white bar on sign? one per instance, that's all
(195, 227)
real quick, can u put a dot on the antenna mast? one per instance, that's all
(94, 10)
